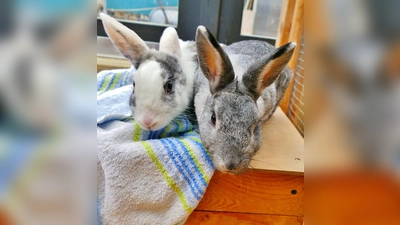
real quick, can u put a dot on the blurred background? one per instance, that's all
(47, 112)
(353, 112)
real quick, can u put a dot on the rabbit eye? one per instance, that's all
(213, 119)
(168, 87)
(133, 84)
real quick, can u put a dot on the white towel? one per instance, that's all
(145, 177)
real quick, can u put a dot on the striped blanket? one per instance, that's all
(145, 177)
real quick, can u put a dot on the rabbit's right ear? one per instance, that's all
(213, 60)
(266, 70)
(169, 42)
(127, 41)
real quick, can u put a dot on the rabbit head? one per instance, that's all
(160, 88)
(230, 122)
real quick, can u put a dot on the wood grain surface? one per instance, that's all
(285, 22)
(210, 218)
(282, 146)
(255, 191)
(104, 63)
(296, 33)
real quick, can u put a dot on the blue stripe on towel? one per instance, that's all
(188, 157)
(124, 81)
(205, 153)
(151, 133)
(183, 169)
(160, 153)
(158, 133)
(99, 217)
(103, 77)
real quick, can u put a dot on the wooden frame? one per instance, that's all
(291, 28)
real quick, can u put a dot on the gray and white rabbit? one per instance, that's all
(163, 82)
(236, 89)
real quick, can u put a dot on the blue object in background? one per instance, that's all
(53, 8)
(146, 5)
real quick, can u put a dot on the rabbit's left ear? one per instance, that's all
(169, 42)
(127, 41)
(266, 70)
(213, 60)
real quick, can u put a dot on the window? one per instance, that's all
(222, 17)
(145, 11)
(261, 18)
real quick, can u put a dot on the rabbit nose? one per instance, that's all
(231, 166)
(148, 120)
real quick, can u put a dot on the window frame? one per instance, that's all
(222, 17)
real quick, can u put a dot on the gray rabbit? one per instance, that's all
(237, 88)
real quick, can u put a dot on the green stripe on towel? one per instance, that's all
(105, 83)
(198, 165)
(169, 180)
(136, 134)
(198, 140)
(165, 132)
(115, 79)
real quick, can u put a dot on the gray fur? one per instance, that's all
(239, 108)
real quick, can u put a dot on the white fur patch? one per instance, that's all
(238, 70)
(202, 29)
(292, 45)
(169, 42)
(188, 66)
(149, 87)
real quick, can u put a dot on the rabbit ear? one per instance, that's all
(127, 41)
(266, 70)
(214, 62)
(169, 42)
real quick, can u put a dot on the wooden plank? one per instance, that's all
(255, 191)
(285, 22)
(282, 147)
(296, 33)
(217, 218)
(104, 63)
(296, 105)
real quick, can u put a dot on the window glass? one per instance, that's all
(261, 18)
(147, 11)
